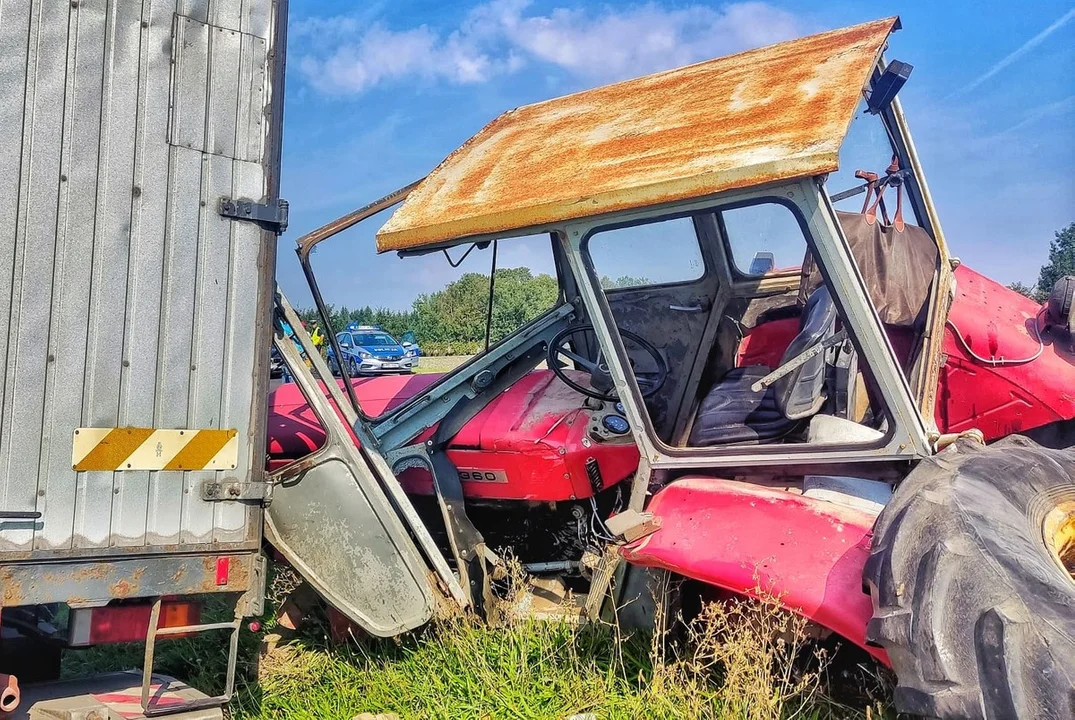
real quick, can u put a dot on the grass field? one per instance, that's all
(443, 364)
(736, 661)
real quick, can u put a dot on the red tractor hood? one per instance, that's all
(995, 394)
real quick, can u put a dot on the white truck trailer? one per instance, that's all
(139, 213)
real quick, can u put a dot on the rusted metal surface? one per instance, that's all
(760, 116)
(88, 583)
(310, 240)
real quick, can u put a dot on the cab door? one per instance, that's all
(659, 283)
(339, 517)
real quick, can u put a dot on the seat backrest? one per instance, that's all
(801, 392)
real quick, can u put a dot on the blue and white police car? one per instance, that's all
(369, 350)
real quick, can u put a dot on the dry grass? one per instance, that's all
(735, 660)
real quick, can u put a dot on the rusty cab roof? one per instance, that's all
(760, 116)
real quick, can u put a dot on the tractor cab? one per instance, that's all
(731, 291)
(754, 317)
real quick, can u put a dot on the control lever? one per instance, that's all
(799, 360)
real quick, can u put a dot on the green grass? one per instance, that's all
(441, 364)
(746, 661)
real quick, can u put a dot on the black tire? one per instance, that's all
(974, 608)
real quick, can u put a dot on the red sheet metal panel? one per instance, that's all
(746, 538)
(532, 438)
(998, 324)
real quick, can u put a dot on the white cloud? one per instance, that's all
(501, 36)
(381, 55)
(645, 38)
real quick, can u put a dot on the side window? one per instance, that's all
(655, 254)
(763, 239)
(866, 147)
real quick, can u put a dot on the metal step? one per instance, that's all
(110, 696)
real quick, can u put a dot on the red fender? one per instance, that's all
(808, 553)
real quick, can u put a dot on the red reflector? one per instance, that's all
(128, 622)
(222, 566)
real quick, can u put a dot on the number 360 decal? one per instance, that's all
(488, 476)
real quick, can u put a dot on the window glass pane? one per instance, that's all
(764, 239)
(451, 320)
(426, 313)
(866, 147)
(654, 254)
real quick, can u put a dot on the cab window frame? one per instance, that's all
(388, 420)
(665, 455)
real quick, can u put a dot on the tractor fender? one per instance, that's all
(805, 553)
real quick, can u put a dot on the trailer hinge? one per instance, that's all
(269, 216)
(230, 489)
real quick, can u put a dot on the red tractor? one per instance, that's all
(869, 431)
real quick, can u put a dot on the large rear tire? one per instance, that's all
(971, 596)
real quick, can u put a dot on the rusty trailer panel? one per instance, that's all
(761, 116)
(87, 584)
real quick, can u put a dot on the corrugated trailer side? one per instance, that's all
(134, 311)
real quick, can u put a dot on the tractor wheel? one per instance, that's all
(972, 585)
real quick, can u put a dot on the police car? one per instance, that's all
(369, 350)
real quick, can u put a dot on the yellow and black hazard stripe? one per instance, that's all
(133, 448)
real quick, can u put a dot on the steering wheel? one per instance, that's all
(602, 386)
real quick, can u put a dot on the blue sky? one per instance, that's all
(379, 95)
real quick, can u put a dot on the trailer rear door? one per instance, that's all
(129, 306)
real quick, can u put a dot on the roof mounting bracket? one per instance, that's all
(268, 216)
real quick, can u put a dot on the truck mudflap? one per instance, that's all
(806, 554)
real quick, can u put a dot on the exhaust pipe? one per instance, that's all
(9, 693)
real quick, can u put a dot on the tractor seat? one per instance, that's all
(733, 413)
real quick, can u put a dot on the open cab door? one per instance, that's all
(339, 517)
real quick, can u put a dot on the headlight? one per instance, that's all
(412, 353)
(364, 355)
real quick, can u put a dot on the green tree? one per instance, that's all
(624, 281)
(457, 313)
(1023, 289)
(1061, 261)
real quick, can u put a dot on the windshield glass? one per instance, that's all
(366, 339)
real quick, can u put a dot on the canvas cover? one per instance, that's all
(897, 265)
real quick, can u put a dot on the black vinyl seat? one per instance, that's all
(733, 413)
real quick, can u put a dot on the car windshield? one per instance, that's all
(375, 339)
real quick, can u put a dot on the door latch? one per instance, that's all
(229, 490)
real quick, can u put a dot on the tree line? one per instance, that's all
(1061, 262)
(451, 321)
